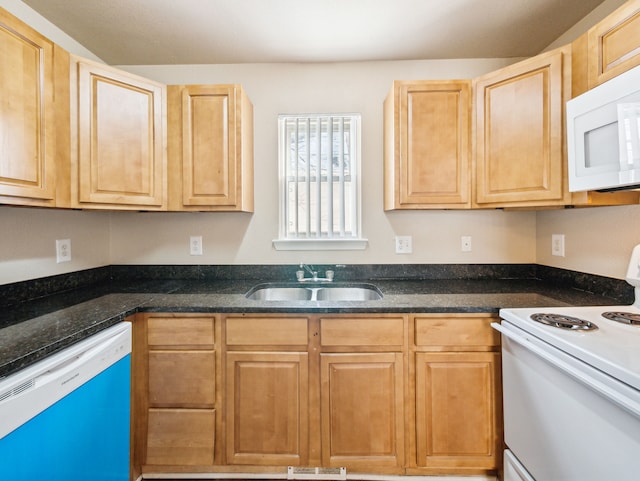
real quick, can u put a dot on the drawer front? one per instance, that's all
(182, 378)
(362, 331)
(181, 437)
(180, 331)
(264, 331)
(460, 331)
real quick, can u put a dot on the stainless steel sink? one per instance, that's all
(280, 294)
(325, 292)
(348, 294)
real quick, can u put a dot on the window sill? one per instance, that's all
(320, 244)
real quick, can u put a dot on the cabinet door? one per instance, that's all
(427, 138)
(211, 148)
(614, 44)
(267, 414)
(120, 160)
(27, 123)
(519, 134)
(456, 413)
(362, 410)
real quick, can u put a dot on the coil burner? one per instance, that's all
(564, 322)
(624, 317)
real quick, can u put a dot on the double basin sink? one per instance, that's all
(319, 292)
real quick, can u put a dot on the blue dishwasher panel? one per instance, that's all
(83, 436)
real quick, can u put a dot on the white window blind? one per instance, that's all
(319, 174)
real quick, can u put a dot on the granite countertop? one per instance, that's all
(35, 329)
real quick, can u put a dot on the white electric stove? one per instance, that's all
(571, 389)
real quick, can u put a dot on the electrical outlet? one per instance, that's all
(195, 245)
(403, 244)
(63, 250)
(465, 243)
(557, 245)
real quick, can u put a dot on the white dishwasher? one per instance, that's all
(66, 418)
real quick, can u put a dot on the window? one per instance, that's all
(319, 158)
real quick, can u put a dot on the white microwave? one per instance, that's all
(603, 135)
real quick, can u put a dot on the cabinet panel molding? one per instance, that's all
(614, 44)
(427, 145)
(210, 148)
(267, 414)
(520, 158)
(119, 122)
(456, 411)
(362, 399)
(27, 116)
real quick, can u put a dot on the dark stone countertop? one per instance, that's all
(30, 331)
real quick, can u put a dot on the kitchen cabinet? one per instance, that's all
(427, 151)
(362, 392)
(610, 47)
(519, 146)
(267, 390)
(456, 372)
(118, 139)
(28, 160)
(210, 148)
(177, 406)
(375, 393)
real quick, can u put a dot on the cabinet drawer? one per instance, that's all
(263, 331)
(181, 436)
(182, 378)
(180, 331)
(362, 331)
(463, 331)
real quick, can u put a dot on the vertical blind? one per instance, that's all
(319, 168)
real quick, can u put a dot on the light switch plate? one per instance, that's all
(557, 245)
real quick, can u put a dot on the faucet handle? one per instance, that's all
(329, 275)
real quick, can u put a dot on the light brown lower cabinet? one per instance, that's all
(376, 393)
(455, 409)
(362, 410)
(458, 416)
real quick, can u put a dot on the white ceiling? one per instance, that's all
(155, 32)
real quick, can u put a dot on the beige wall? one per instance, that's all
(597, 240)
(27, 243)
(295, 88)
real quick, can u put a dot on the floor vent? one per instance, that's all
(295, 472)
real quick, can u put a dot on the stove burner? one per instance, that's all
(564, 322)
(624, 317)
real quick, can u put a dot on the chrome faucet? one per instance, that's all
(314, 274)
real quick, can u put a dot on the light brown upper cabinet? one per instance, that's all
(427, 145)
(519, 149)
(210, 148)
(27, 115)
(118, 132)
(610, 47)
